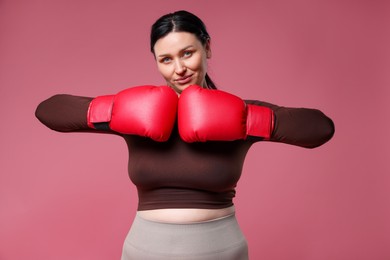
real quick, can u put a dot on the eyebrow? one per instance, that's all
(189, 46)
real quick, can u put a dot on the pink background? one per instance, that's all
(68, 196)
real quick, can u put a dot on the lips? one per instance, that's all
(184, 80)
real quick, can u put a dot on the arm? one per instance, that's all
(65, 113)
(215, 115)
(148, 111)
(303, 127)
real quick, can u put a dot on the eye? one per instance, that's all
(187, 53)
(165, 60)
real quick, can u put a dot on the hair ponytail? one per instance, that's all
(210, 84)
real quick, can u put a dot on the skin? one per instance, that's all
(182, 60)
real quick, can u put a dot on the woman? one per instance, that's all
(187, 144)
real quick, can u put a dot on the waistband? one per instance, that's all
(192, 239)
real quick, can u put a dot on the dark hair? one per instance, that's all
(180, 21)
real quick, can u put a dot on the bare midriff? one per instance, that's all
(183, 216)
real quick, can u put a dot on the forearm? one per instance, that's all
(303, 127)
(64, 113)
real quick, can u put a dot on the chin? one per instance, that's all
(181, 88)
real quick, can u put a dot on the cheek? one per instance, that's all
(198, 64)
(164, 71)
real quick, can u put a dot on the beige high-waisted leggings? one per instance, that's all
(211, 240)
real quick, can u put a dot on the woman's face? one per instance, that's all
(182, 60)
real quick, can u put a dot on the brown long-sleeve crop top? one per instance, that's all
(175, 174)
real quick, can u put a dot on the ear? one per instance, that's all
(207, 48)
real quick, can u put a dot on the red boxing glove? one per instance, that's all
(214, 115)
(148, 111)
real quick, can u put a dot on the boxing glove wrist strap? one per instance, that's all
(260, 121)
(99, 110)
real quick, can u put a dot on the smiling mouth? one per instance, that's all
(184, 80)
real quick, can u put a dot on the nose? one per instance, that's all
(179, 67)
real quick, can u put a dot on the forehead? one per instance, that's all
(175, 41)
